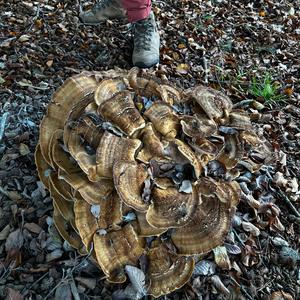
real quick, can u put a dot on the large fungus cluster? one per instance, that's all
(140, 168)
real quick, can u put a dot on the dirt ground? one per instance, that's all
(247, 49)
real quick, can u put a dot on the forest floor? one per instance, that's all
(247, 49)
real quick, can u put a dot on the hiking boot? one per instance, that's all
(146, 43)
(102, 11)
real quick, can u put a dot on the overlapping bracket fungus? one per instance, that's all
(130, 163)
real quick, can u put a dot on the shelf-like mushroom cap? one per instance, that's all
(152, 146)
(250, 137)
(108, 88)
(226, 192)
(205, 150)
(163, 119)
(78, 111)
(198, 126)
(171, 208)
(85, 159)
(64, 206)
(129, 178)
(61, 187)
(232, 152)
(90, 218)
(239, 119)
(74, 90)
(92, 192)
(43, 168)
(116, 249)
(61, 159)
(142, 84)
(181, 153)
(121, 111)
(66, 230)
(112, 149)
(167, 271)
(232, 191)
(145, 229)
(214, 103)
(169, 94)
(85, 221)
(208, 226)
(88, 128)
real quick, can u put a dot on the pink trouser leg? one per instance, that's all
(137, 9)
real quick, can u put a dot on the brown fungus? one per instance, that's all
(132, 179)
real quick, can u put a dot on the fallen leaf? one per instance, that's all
(33, 227)
(249, 227)
(181, 46)
(281, 295)
(217, 282)
(24, 38)
(262, 13)
(14, 241)
(96, 210)
(49, 63)
(12, 294)
(88, 282)
(182, 69)
(221, 258)
(63, 291)
(137, 278)
(12, 195)
(232, 249)
(204, 267)
(289, 91)
(4, 232)
(24, 149)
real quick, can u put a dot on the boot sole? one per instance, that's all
(100, 22)
(143, 65)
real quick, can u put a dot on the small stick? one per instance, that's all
(243, 103)
(288, 203)
(2, 124)
(206, 70)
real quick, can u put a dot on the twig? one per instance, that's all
(63, 280)
(243, 103)
(2, 124)
(239, 239)
(268, 282)
(246, 293)
(67, 275)
(231, 82)
(37, 281)
(206, 70)
(288, 203)
(7, 270)
(37, 15)
(74, 289)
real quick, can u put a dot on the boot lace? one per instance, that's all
(143, 30)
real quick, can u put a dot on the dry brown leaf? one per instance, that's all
(4, 232)
(222, 258)
(249, 227)
(33, 227)
(13, 294)
(182, 69)
(281, 295)
(24, 149)
(14, 241)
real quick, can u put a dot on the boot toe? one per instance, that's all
(146, 62)
(88, 17)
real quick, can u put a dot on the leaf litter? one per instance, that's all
(246, 49)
